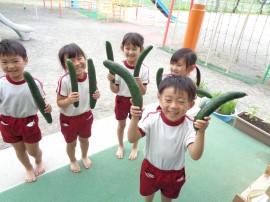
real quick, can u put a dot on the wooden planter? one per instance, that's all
(251, 130)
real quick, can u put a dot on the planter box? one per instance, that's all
(251, 130)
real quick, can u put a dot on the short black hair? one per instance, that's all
(190, 59)
(12, 48)
(179, 83)
(133, 38)
(70, 51)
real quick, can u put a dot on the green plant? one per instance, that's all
(216, 102)
(204, 85)
(227, 108)
(267, 120)
(252, 111)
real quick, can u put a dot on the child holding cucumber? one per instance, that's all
(169, 133)
(75, 122)
(19, 120)
(131, 46)
(183, 62)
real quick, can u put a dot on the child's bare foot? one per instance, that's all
(30, 176)
(133, 154)
(120, 152)
(39, 169)
(75, 167)
(87, 163)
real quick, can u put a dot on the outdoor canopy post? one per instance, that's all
(194, 24)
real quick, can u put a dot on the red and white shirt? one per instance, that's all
(166, 141)
(123, 88)
(64, 89)
(16, 99)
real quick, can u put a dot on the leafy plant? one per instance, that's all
(204, 85)
(252, 111)
(267, 120)
(227, 108)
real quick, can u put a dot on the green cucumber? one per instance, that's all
(203, 93)
(140, 60)
(128, 78)
(92, 82)
(73, 79)
(37, 96)
(216, 102)
(109, 52)
(159, 76)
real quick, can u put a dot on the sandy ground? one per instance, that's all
(51, 32)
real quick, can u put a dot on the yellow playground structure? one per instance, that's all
(100, 9)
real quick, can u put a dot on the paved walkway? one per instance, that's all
(52, 32)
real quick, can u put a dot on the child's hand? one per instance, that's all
(96, 95)
(48, 108)
(135, 111)
(138, 80)
(110, 77)
(202, 124)
(73, 97)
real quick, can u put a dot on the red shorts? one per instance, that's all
(122, 107)
(14, 130)
(169, 182)
(74, 126)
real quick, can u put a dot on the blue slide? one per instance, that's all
(163, 9)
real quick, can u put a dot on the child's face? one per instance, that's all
(174, 104)
(132, 53)
(179, 68)
(79, 63)
(13, 66)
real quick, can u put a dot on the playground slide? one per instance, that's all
(22, 30)
(163, 9)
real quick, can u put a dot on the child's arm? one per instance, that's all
(96, 95)
(133, 132)
(48, 107)
(196, 149)
(63, 102)
(114, 88)
(143, 88)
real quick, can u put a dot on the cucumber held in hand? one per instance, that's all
(140, 60)
(109, 53)
(129, 79)
(216, 102)
(203, 93)
(92, 82)
(73, 79)
(159, 76)
(37, 96)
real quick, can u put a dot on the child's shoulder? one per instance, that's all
(64, 77)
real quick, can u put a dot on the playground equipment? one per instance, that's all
(22, 30)
(115, 9)
(267, 73)
(163, 9)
